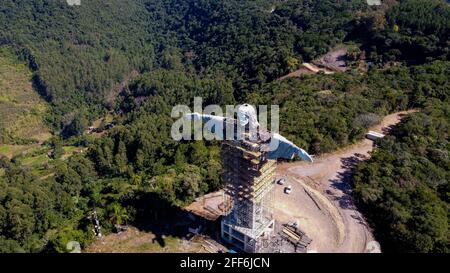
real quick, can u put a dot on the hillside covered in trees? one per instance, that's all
(136, 59)
(404, 187)
(93, 51)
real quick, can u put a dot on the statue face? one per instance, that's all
(243, 118)
(247, 114)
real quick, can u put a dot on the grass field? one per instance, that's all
(35, 157)
(137, 241)
(22, 110)
(35, 161)
(13, 150)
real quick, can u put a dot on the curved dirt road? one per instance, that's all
(328, 177)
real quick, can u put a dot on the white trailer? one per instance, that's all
(374, 135)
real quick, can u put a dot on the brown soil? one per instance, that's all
(333, 61)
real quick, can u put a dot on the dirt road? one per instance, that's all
(326, 180)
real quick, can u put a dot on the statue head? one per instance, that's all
(247, 115)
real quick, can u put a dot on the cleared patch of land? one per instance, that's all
(22, 110)
(134, 240)
(13, 150)
(333, 61)
(138, 241)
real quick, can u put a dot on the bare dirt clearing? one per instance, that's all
(333, 61)
(134, 240)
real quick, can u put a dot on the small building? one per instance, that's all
(374, 2)
(372, 135)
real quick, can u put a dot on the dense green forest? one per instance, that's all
(323, 113)
(95, 46)
(136, 59)
(414, 33)
(92, 51)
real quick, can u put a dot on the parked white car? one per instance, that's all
(288, 189)
(281, 181)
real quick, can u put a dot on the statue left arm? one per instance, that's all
(280, 147)
(211, 121)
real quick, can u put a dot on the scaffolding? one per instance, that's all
(249, 181)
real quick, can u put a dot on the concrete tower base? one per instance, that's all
(247, 240)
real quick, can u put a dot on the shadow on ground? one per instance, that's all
(162, 219)
(342, 183)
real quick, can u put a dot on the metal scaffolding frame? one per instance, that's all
(249, 181)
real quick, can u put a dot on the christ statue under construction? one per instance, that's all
(249, 159)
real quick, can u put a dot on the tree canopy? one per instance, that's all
(134, 60)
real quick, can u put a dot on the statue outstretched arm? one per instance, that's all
(286, 149)
(204, 117)
(213, 124)
(279, 146)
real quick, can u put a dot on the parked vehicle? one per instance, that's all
(288, 189)
(281, 181)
